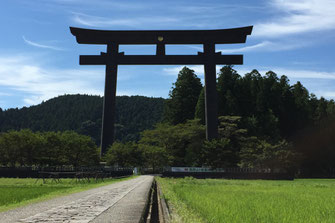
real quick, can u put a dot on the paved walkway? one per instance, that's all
(119, 202)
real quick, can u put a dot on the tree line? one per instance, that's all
(264, 122)
(26, 148)
(185, 144)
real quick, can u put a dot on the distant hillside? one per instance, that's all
(83, 113)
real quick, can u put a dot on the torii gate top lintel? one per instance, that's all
(218, 36)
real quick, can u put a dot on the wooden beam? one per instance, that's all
(159, 60)
(108, 115)
(211, 103)
(218, 36)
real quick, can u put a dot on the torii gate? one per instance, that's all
(112, 58)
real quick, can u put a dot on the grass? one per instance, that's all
(254, 201)
(15, 192)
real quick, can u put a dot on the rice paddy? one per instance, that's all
(250, 201)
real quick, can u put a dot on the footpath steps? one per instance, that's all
(124, 201)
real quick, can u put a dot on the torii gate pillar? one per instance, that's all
(211, 105)
(108, 113)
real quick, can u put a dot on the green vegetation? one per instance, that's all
(82, 113)
(180, 107)
(25, 148)
(265, 121)
(244, 201)
(184, 144)
(167, 144)
(17, 192)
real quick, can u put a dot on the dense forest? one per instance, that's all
(264, 122)
(82, 113)
(27, 148)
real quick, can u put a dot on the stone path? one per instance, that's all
(104, 204)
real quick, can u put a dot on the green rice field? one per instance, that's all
(250, 201)
(16, 192)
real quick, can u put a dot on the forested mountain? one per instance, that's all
(82, 113)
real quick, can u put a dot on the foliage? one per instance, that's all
(200, 107)
(154, 156)
(185, 145)
(25, 148)
(79, 150)
(124, 154)
(182, 142)
(317, 145)
(265, 121)
(227, 89)
(131, 154)
(82, 113)
(273, 110)
(20, 147)
(251, 201)
(218, 153)
(183, 97)
(261, 154)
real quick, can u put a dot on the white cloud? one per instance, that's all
(121, 5)
(5, 94)
(298, 16)
(41, 45)
(198, 70)
(97, 21)
(24, 75)
(174, 70)
(264, 46)
(258, 46)
(291, 73)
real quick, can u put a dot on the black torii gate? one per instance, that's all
(112, 58)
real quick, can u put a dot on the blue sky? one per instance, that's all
(39, 58)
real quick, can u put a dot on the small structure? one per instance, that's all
(112, 58)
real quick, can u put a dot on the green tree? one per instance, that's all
(183, 97)
(92, 129)
(228, 91)
(10, 148)
(200, 108)
(301, 114)
(124, 155)
(154, 156)
(182, 142)
(262, 154)
(53, 152)
(20, 147)
(79, 150)
(218, 153)
(30, 146)
(230, 128)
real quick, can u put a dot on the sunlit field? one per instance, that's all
(15, 192)
(254, 201)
